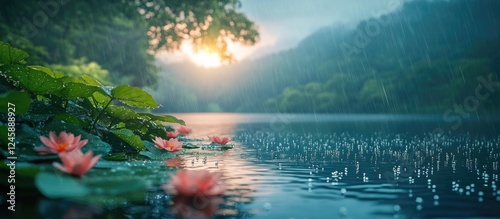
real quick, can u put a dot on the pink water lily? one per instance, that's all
(219, 140)
(65, 142)
(184, 130)
(195, 183)
(76, 163)
(172, 135)
(172, 145)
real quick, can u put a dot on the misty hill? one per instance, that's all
(423, 58)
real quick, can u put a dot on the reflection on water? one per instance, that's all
(309, 166)
(317, 166)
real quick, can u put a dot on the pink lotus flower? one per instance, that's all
(184, 130)
(219, 140)
(195, 183)
(172, 135)
(65, 142)
(172, 145)
(76, 163)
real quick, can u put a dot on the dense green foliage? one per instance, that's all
(47, 100)
(119, 37)
(423, 58)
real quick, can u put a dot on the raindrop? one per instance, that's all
(419, 200)
(268, 206)
(343, 191)
(396, 208)
(342, 211)
(419, 207)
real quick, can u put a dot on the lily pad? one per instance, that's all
(60, 185)
(189, 146)
(56, 185)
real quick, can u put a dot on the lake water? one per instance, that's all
(333, 166)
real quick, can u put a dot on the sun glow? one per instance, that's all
(206, 59)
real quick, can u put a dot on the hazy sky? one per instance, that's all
(284, 23)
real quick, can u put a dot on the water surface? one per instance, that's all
(329, 166)
(355, 166)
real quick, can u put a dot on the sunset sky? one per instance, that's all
(284, 23)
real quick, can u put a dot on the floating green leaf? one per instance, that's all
(15, 101)
(189, 146)
(59, 185)
(129, 137)
(114, 185)
(53, 185)
(10, 55)
(133, 96)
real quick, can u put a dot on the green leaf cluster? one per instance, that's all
(48, 100)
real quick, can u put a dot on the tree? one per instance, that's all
(122, 36)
